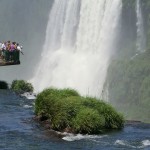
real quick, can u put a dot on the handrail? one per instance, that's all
(11, 56)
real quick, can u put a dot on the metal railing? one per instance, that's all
(11, 56)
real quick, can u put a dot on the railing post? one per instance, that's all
(7, 55)
(17, 56)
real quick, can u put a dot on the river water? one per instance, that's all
(18, 131)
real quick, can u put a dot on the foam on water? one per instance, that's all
(146, 143)
(123, 143)
(120, 142)
(27, 106)
(72, 137)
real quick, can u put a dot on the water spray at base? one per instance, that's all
(80, 39)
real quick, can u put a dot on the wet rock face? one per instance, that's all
(3, 85)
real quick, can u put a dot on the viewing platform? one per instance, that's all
(10, 58)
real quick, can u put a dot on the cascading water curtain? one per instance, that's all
(80, 39)
(141, 39)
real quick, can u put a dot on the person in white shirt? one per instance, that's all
(3, 48)
(0, 45)
(0, 48)
(19, 48)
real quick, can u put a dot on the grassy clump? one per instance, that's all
(3, 85)
(67, 109)
(88, 121)
(113, 120)
(21, 86)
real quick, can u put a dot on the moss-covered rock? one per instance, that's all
(3, 85)
(67, 109)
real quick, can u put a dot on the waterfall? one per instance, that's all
(141, 39)
(80, 40)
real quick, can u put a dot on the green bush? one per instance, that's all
(113, 120)
(21, 86)
(3, 85)
(145, 92)
(50, 97)
(67, 109)
(88, 121)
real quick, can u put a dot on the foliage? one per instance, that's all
(145, 92)
(88, 120)
(49, 97)
(129, 86)
(21, 86)
(65, 108)
(113, 120)
(128, 79)
(3, 85)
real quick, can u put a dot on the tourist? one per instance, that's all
(3, 49)
(19, 48)
(0, 48)
(12, 50)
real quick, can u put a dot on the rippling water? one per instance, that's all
(19, 132)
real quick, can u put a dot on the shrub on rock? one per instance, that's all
(67, 109)
(88, 121)
(21, 86)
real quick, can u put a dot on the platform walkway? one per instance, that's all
(4, 63)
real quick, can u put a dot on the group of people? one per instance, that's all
(9, 51)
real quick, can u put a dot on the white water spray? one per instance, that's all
(141, 40)
(80, 40)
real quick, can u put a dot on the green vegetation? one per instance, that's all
(128, 79)
(3, 85)
(21, 86)
(129, 86)
(67, 109)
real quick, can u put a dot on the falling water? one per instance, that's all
(80, 39)
(141, 40)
